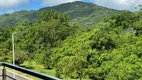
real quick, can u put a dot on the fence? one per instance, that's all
(24, 70)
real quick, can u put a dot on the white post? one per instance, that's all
(13, 48)
(13, 53)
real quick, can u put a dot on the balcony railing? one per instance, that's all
(24, 70)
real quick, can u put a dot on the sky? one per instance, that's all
(10, 6)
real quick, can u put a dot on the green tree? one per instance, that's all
(20, 57)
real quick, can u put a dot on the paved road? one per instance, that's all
(17, 76)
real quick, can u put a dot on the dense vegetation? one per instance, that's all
(86, 14)
(111, 51)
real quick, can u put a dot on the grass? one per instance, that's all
(38, 67)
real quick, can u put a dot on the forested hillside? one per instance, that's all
(111, 51)
(86, 14)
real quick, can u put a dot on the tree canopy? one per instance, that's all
(111, 51)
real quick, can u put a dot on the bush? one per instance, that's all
(20, 57)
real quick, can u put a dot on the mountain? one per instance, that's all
(110, 51)
(86, 14)
(11, 20)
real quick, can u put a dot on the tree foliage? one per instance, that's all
(111, 51)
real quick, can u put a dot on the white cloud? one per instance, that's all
(118, 4)
(56, 2)
(9, 11)
(6, 4)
